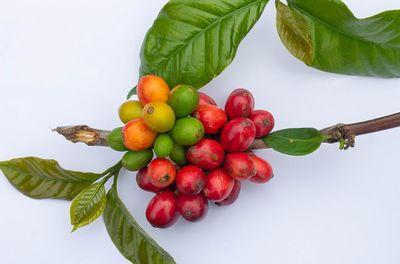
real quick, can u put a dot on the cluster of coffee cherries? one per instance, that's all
(203, 152)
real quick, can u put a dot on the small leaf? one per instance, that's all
(88, 205)
(131, 93)
(40, 178)
(295, 141)
(193, 41)
(130, 239)
(326, 35)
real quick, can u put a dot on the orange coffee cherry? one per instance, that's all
(152, 88)
(137, 136)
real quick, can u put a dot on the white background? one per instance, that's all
(73, 62)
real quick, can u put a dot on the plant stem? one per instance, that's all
(344, 133)
(371, 126)
(114, 170)
(84, 134)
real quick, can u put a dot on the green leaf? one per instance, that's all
(39, 178)
(326, 35)
(130, 239)
(192, 41)
(131, 93)
(88, 205)
(295, 141)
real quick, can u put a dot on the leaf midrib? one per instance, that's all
(119, 204)
(342, 32)
(84, 210)
(216, 22)
(44, 177)
(299, 140)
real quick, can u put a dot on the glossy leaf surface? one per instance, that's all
(192, 41)
(40, 178)
(326, 35)
(130, 239)
(88, 205)
(295, 141)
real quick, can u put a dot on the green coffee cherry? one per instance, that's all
(163, 145)
(136, 160)
(183, 100)
(178, 155)
(115, 140)
(187, 131)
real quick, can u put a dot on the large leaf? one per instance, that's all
(192, 41)
(88, 205)
(295, 141)
(39, 178)
(326, 35)
(130, 239)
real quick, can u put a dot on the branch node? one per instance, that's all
(340, 133)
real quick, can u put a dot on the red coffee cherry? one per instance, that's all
(161, 211)
(232, 197)
(212, 117)
(207, 154)
(161, 172)
(240, 103)
(238, 135)
(190, 180)
(218, 185)
(205, 99)
(192, 207)
(144, 182)
(239, 166)
(264, 122)
(263, 168)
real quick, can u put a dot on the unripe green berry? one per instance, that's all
(115, 140)
(136, 160)
(178, 155)
(163, 145)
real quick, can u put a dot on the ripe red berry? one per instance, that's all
(238, 134)
(161, 211)
(192, 207)
(263, 168)
(239, 166)
(212, 117)
(144, 182)
(232, 197)
(205, 99)
(240, 103)
(190, 180)
(161, 172)
(264, 122)
(218, 185)
(207, 154)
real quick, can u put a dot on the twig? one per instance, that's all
(343, 133)
(350, 131)
(84, 134)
